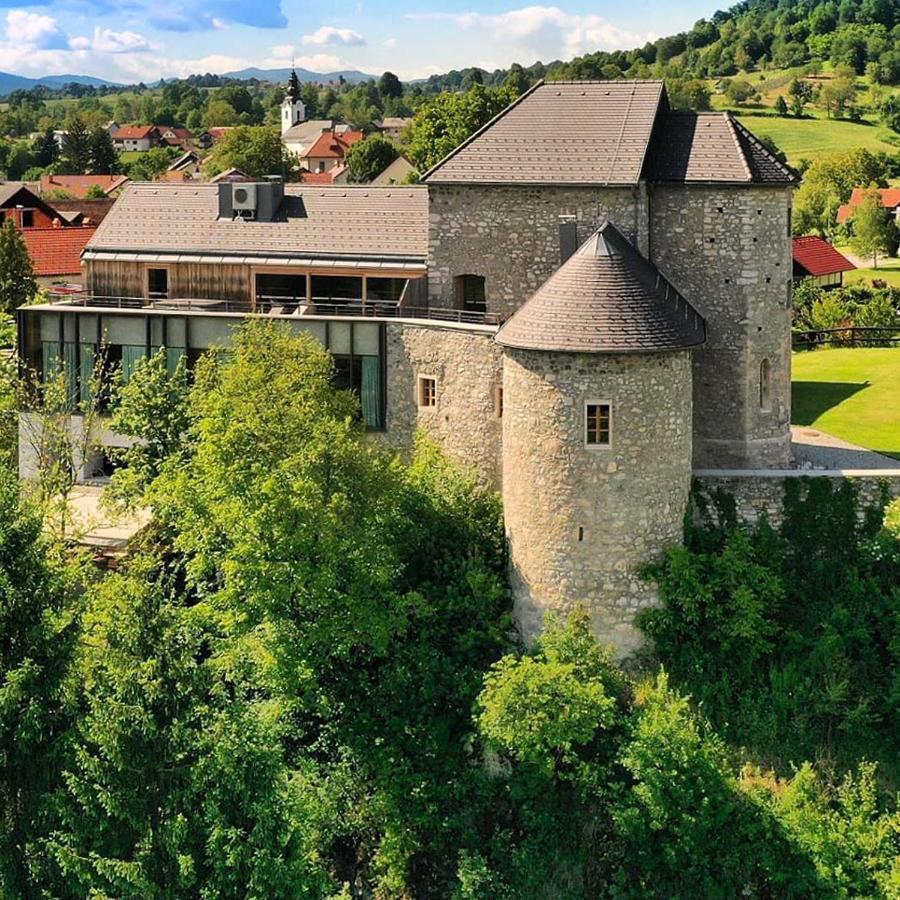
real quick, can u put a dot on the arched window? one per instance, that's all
(765, 385)
(470, 293)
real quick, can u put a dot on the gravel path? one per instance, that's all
(819, 450)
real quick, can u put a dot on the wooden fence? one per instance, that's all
(849, 336)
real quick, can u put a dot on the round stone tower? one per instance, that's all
(596, 436)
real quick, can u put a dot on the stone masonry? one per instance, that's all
(729, 252)
(760, 492)
(582, 521)
(467, 366)
(510, 235)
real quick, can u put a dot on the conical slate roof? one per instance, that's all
(606, 298)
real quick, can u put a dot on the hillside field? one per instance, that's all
(850, 393)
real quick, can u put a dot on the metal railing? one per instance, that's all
(848, 336)
(287, 306)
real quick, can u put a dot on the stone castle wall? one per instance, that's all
(582, 521)
(760, 492)
(510, 235)
(728, 250)
(468, 367)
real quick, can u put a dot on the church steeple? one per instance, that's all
(292, 109)
(293, 91)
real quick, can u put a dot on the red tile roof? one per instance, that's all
(324, 177)
(815, 256)
(77, 185)
(57, 251)
(333, 145)
(133, 132)
(890, 199)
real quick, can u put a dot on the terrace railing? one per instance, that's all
(288, 306)
(849, 336)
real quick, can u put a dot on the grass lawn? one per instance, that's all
(807, 138)
(888, 270)
(851, 393)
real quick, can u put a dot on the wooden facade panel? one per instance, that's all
(215, 282)
(105, 278)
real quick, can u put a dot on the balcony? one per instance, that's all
(284, 307)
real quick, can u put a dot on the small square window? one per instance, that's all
(597, 424)
(427, 391)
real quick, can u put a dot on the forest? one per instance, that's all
(304, 682)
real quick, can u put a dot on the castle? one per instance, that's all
(587, 301)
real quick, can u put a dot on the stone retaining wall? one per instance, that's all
(760, 492)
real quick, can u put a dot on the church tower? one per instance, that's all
(292, 109)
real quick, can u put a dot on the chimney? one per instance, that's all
(568, 237)
(226, 210)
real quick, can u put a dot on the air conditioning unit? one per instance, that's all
(243, 197)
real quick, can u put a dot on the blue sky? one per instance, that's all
(131, 40)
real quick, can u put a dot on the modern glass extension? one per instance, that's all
(54, 338)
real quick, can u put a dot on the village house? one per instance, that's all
(398, 172)
(171, 136)
(186, 168)
(890, 200)
(589, 331)
(392, 126)
(815, 258)
(54, 241)
(139, 138)
(77, 186)
(338, 174)
(328, 150)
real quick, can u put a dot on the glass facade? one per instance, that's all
(54, 340)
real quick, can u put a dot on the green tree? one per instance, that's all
(781, 107)
(35, 642)
(151, 408)
(17, 282)
(370, 157)
(258, 151)
(150, 165)
(104, 159)
(389, 85)
(46, 149)
(800, 92)
(448, 119)
(873, 230)
(95, 192)
(76, 149)
(220, 114)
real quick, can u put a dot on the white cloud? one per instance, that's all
(328, 35)
(390, 43)
(33, 31)
(106, 40)
(544, 31)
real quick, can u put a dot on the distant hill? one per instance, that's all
(354, 76)
(10, 82)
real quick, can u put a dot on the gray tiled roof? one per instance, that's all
(606, 298)
(710, 147)
(308, 131)
(342, 222)
(561, 132)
